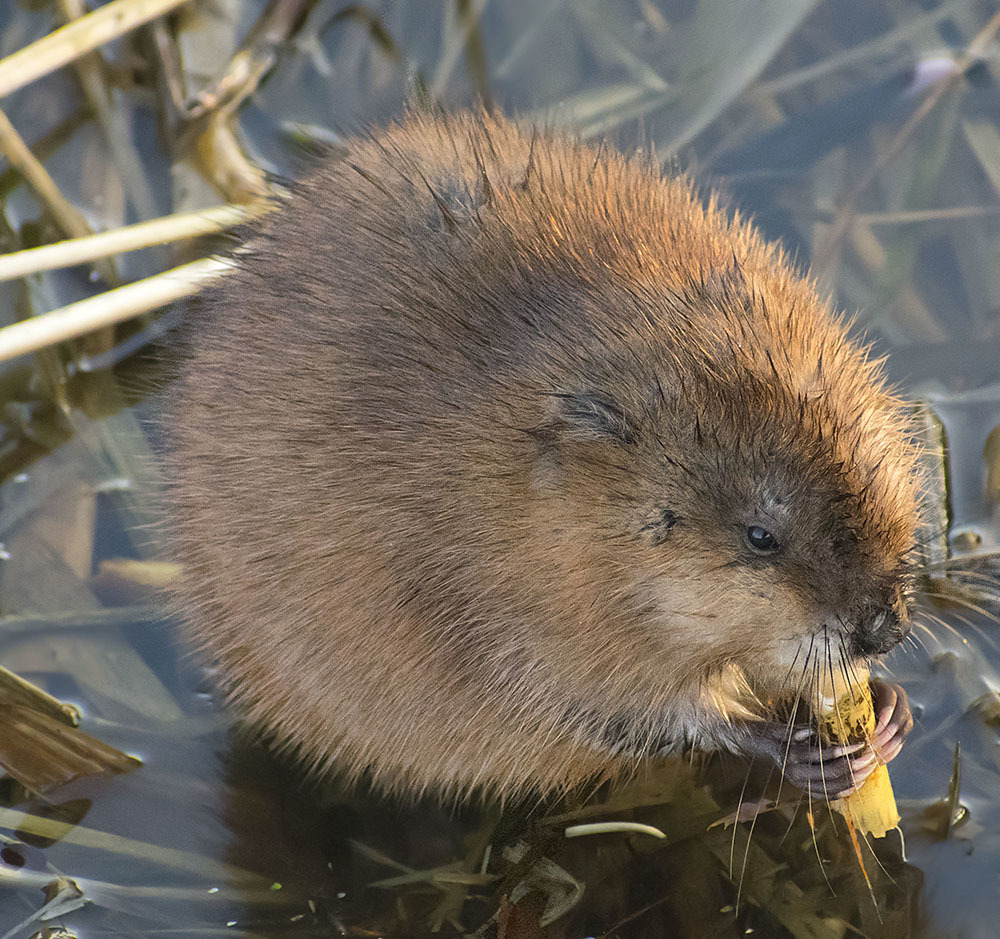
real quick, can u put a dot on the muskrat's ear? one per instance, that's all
(658, 528)
(590, 415)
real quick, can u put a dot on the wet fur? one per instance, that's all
(464, 451)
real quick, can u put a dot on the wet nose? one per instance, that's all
(878, 631)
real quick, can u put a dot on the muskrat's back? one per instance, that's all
(467, 453)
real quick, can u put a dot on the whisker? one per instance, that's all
(739, 805)
(789, 725)
(852, 690)
(819, 857)
(982, 577)
(798, 652)
(947, 626)
(956, 563)
(847, 663)
(829, 667)
(924, 628)
(962, 601)
(746, 852)
(982, 633)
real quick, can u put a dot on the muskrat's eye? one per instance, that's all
(761, 540)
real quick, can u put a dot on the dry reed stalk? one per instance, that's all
(76, 39)
(113, 306)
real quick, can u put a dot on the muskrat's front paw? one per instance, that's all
(893, 719)
(837, 770)
(829, 770)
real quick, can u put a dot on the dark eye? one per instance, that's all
(761, 540)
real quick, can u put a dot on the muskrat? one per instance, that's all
(501, 462)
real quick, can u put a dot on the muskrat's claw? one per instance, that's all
(893, 721)
(835, 771)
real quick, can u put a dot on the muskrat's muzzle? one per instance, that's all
(878, 632)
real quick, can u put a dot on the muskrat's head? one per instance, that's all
(755, 496)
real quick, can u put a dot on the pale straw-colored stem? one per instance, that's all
(113, 306)
(156, 231)
(21, 158)
(75, 39)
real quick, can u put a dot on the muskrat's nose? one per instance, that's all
(878, 631)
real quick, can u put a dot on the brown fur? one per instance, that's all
(467, 447)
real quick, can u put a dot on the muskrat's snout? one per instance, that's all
(878, 631)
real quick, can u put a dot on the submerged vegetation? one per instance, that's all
(866, 136)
